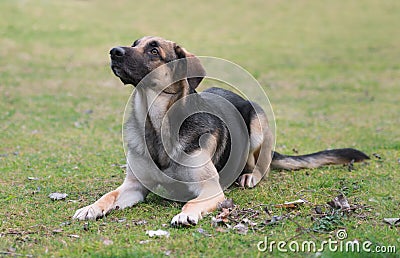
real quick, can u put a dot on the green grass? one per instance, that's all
(330, 68)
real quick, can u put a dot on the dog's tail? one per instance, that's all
(317, 159)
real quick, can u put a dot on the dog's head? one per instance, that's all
(132, 64)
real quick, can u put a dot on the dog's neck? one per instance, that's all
(153, 105)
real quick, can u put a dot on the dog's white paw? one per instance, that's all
(247, 180)
(185, 219)
(90, 212)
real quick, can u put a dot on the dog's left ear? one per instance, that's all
(193, 66)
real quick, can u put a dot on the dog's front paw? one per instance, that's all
(185, 219)
(247, 180)
(90, 212)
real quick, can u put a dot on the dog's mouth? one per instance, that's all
(117, 70)
(120, 73)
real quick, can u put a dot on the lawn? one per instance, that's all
(331, 70)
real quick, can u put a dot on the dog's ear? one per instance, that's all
(193, 66)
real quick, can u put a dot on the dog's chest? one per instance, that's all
(155, 146)
(146, 124)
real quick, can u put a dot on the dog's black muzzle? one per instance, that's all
(129, 64)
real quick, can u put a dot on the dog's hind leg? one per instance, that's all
(259, 159)
(128, 194)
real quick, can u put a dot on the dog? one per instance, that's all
(153, 99)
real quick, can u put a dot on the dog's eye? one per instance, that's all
(154, 51)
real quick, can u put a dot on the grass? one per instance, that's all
(330, 69)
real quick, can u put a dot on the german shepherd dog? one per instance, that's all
(151, 121)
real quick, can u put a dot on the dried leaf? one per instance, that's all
(339, 202)
(58, 196)
(74, 236)
(241, 229)
(216, 222)
(157, 233)
(249, 222)
(57, 230)
(292, 204)
(65, 223)
(224, 215)
(273, 220)
(376, 155)
(121, 220)
(140, 222)
(392, 221)
(203, 232)
(226, 204)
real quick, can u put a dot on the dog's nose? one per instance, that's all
(117, 51)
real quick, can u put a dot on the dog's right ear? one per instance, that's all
(193, 66)
(135, 43)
